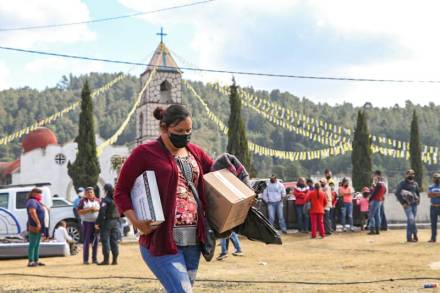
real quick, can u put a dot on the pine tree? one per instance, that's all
(237, 139)
(361, 155)
(85, 170)
(415, 150)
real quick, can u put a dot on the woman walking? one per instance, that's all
(172, 249)
(35, 224)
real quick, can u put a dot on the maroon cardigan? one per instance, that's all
(155, 156)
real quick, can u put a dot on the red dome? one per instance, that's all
(39, 138)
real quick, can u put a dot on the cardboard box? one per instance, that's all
(146, 198)
(229, 200)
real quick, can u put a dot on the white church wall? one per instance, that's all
(43, 165)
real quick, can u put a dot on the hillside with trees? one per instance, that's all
(21, 107)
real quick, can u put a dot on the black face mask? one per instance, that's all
(273, 180)
(179, 140)
(437, 181)
(328, 177)
(410, 178)
(322, 185)
(300, 184)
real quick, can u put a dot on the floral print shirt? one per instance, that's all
(186, 204)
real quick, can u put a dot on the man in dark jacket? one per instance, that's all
(109, 225)
(408, 194)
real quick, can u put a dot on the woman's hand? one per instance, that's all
(145, 226)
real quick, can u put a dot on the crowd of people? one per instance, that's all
(317, 203)
(320, 205)
(98, 219)
(172, 250)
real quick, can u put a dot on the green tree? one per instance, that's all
(415, 149)
(85, 170)
(361, 155)
(237, 139)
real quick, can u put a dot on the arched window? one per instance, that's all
(165, 92)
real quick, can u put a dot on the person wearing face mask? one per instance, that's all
(346, 192)
(300, 192)
(378, 191)
(328, 206)
(88, 209)
(108, 225)
(434, 194)
(273, 197)
(172, 249)
(75, 204)
(408, 194)
(36, 219)
(329, 176)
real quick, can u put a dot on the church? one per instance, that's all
(44, 160)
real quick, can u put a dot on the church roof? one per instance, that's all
(39, 138)
(163, 60)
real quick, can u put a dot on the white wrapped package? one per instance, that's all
(146, 198)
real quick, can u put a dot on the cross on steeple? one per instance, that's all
(161, 34)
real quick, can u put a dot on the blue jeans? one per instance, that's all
(347, 211)
(434, 213)
(411, 228)
(276, 207)
(374, 215)
(176, 272)
(299, 209)
(235, 242)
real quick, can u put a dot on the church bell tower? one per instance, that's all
(165, 89)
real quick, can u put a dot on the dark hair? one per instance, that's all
(61, 223)
(33, 191)
(317, 188)
(378, 173)
(171, 116)
(309, 180)
(108, 188)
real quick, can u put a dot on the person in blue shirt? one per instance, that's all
(434, 194)
(75, 211)
(35, 224)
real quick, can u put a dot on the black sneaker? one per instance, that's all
(40, 264)
(432, 241)
(222, 256)
(32, 264)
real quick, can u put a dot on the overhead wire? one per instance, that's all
(235, 72)
(57, 25)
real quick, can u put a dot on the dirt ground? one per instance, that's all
(342, 257)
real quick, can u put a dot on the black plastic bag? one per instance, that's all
(258, 228)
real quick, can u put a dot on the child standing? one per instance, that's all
(363, 203)
(318, 201)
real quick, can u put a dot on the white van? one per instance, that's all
(13, 198)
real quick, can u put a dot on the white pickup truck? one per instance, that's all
(13, 198)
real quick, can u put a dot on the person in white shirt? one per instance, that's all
(273, 196)
(61, 235)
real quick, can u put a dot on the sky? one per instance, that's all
(339, 38)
